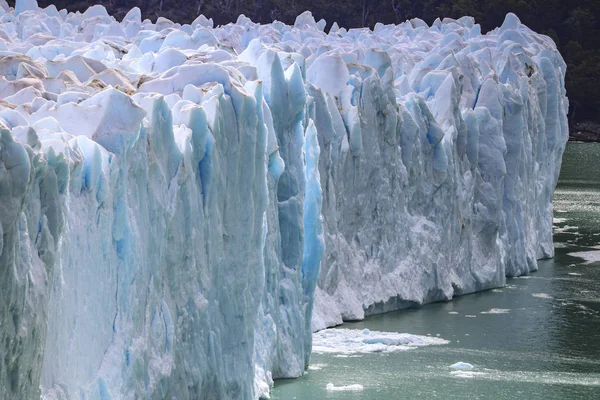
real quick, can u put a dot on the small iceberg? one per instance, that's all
(354, 387)
(463, 366)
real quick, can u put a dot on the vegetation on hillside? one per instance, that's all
(574, 25)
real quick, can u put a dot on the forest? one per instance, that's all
(572, 24)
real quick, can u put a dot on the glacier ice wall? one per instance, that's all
(443, 184)
(181, 205)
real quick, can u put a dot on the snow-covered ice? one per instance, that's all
(182, 205)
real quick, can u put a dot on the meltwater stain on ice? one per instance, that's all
(354, 341)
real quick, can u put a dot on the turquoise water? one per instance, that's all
(545, 344)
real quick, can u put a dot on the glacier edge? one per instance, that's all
(182, 205)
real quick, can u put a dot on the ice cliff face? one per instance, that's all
(175, 199)
(444, 185)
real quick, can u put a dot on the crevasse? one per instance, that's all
(182, 205)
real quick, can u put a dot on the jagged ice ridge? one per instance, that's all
(175, 199)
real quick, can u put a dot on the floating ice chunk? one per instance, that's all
(496, 311)
(354, 387)
(587, 256)
(467, 374)
(352, 341)
(542, 296)
(462, 366)
(566, 229)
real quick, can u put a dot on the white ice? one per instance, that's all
(353, 341)
(588, 256)
(496, 311)
(468, 374)
(352, 387)
(462, 366)
(542, 296)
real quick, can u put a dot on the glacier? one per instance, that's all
(182, 205)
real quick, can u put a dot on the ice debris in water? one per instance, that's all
(353, 387)
(467, 374)
(496, 311)
(462, 366)
(542, 296)
(352, 341)
(168, 190)
(588, 256)
(316, 367)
